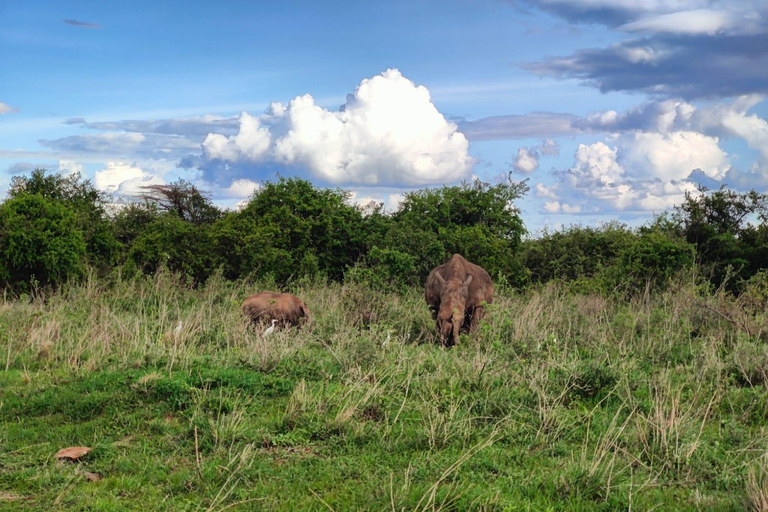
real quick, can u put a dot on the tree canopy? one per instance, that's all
(53, 227)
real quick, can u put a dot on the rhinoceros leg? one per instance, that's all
(477, 315)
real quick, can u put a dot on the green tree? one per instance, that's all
(575, 253)
(176, 244)
(290, 228)
(86, 203)
(171, 228)
(720, 224)
(39, 242)
(477, 220)
(130, 222)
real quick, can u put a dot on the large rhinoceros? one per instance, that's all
(287, 309)
(457, 292)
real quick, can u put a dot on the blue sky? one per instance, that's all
(612, 109)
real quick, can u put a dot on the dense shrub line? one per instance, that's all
(53, 227)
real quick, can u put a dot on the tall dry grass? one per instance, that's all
(643, 391)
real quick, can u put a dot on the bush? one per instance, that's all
(175, 244)
(245, 248)
(575, 253)
(39, 242)
(651, 260)
(385, 269)
(132, 221)
(290, 228)
(84, 201)
(477, 220)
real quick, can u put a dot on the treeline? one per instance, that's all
(55, 228)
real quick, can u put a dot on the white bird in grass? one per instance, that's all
(177, 329)
(270, 329)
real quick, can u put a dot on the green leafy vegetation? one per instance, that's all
(40, 243)
(290, 230)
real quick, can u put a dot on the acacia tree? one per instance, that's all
(183, 199)
(172, 229)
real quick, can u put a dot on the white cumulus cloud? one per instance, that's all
(250, 143)
(597, 162)
(70, 167)
(239, 189)
(526, 161)
(124, 179)
(545, 192)
(549, 147)
(752, 128)
(672, 156)
(387, 133)
(648, 173)
(557, 207)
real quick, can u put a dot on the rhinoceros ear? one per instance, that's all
(468, 280)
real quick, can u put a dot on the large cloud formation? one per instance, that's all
(656, 153)
(601, 174)
(651, 154)
(687, 48)
(387, 133)
(642, 172)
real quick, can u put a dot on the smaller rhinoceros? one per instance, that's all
(287, 309)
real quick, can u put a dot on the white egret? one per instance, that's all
(177, 329)
(270, 329)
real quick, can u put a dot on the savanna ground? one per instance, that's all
(562, 401)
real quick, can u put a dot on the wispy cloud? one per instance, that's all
(533, 125)
(82, 24)
(7, 109)
(680, 16)
(198, 126)
(724, 119)
(124, 145)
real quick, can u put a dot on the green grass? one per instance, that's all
(560, 402)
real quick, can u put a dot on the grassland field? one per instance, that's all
(561, 402)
